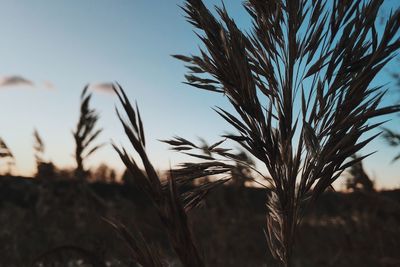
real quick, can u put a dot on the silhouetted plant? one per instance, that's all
(220, 160)
(242, 172)
(140, 250)
(5, 152)
(85, 134)
(393, 139)
(358, 179)
(44, 169)
(38, 147)
(396, 75)
(103, 173)
(299, 82)
(7, 155)
(170, 203)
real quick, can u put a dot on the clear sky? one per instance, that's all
(53, 48)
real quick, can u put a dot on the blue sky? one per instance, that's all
(62, 45)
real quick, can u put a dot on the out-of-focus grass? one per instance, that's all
(344, 230)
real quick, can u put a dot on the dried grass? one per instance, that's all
(358, 179)
(393, 139)
(5, 152)
(85, 134)
(38, 147)
(6, 155)
(303, 70)
(171, 204)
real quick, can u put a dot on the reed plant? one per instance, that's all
(85, 134)
(299, 82)
(392, 137)
(5, 151)
(169, 199)
(45, 169)
(7, 156)
(38, 148)
(357, 178)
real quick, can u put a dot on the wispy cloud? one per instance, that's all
(49, 85)
(15, 80)
(105, 87)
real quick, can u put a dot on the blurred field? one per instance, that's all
(354, 229)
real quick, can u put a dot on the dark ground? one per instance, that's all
(356, 229)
